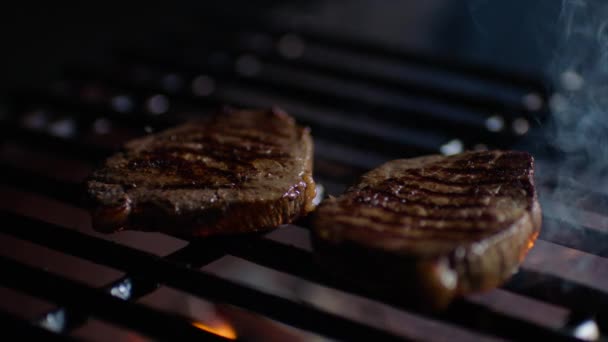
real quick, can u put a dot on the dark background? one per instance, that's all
(38, 38)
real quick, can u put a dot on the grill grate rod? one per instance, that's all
(205, 285)
(285, 253)
(142, 264)
(64, 191)
(59, 145)
(264, 252)
(92, 151)
(433, 117)
(68, 104)
(397, 107)
(134, 316)
(592, 241)
(56, 104)
(594, 200)
(266, 39)
(579, 237)
(276, 76)
(529, 283)
(409, 85)
(376, 135)
(138, 287)
(266, 258)
(348, 73)
(400, 55)
(562, 292)
(14, 326)
(586, 239)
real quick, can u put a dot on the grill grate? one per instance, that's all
(365, 104)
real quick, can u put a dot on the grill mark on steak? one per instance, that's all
(211, 139)
(380, 193)
(483, 171)
(408, 221)
(230, 151)
(468, 181)
(374, 199)
(448, 235)
(424, 226)
(192, 173)
(412, 189)
(411, 211)
(186, 162)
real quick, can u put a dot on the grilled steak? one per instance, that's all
(427, 229)
(240, 171)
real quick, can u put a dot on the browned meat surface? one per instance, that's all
(431, 228)
(237, 172)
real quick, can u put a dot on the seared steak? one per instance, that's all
(427, 229)
(237, 172)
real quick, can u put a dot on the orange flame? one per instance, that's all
(532, 240)
(219, 328)
(529, 244)
(133, 337)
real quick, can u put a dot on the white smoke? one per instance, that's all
(579, 123)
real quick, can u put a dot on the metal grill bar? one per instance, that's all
(58, 144)
(62, 103)
(265, 252)
(270, 257)
(138, 287)
(34, 182)
(581, 299)
(262, 38)
(12, 326)
(73, 294)
(350, 74)
(584, 238)
(434, 118)
(477, 101)
(377, 135)
(141, 264)
(94, 151)
(400, 54)
(336, 161)
(578, 237)
(294, 82)
(529, 283)
(182, 277)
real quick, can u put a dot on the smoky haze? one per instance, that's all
(567, 40)
(579, 128)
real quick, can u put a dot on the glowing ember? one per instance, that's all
(532, 241)
(132, 337)
(530, 244)
(218, 328)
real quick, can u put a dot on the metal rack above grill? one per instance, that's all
(365, 104)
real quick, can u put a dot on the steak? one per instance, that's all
(237, 172)
(427, 229)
